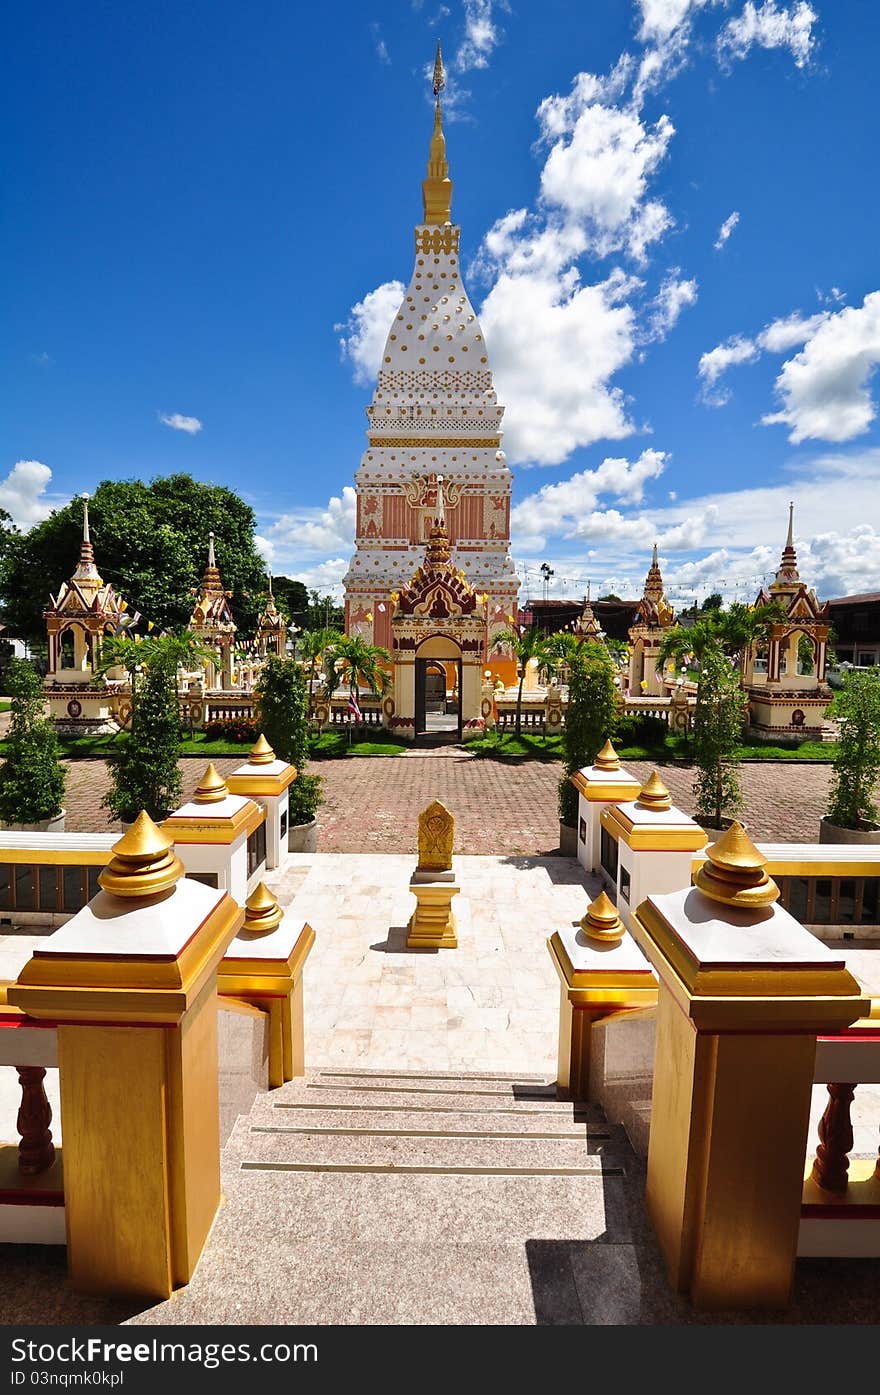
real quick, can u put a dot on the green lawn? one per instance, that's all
(510, 747)
(332, 744)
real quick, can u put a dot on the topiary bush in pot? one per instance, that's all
(32, 777)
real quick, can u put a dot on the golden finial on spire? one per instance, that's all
(655, 795)
(734, 874)
(437, 188)
(144, 862)
(601, 922)
(261, 753)
(211, 788)
(607, 759)
(262, 912)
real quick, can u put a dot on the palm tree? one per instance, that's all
(528, 645)
(313, 644)
(722, 632)
(559, 649)
(350, 659)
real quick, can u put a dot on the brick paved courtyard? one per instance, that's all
(373, 802)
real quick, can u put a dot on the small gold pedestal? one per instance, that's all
(432, 924)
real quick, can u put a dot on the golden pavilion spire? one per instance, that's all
(788, 568)
(437, 188)
(86, 575)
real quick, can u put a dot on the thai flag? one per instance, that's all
(353, 707)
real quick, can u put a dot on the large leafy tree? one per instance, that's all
(292, 599)
(852, 798)
(529, 644)
(150, 542)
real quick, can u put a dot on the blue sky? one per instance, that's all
(669, 213)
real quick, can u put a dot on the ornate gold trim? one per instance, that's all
(436, 442)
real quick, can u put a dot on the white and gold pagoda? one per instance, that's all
(77, 619)
(785, 678)
(434, 415)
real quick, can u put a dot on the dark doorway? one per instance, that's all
(438, 713)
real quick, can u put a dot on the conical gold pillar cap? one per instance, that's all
(607, 759)
(262, 753)
(602, 922)
(144, 862)
(262, 912)
(734, 874)
(212, 788)
(654, 794)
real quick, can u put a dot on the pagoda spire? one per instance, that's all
(653, 581)
(437, 188)
(86, 574)
(211, 580)
(788, 568)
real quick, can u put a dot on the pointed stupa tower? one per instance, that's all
(77, 619)
(211, 622)
(653, 618)
(785, 678)
(271, 630)
(434, 412)
(587, 627)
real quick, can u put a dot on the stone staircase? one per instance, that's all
(396, 1197)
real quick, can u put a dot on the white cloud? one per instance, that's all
(673, 296)
(325, 577)
(481, 35)
(554, 346)
(770, 26)
(560, 509)
(379, 44)
(660, 18)
(743, 530)
(266, 548)
(313, 531)
(364, 333)
(22, 491)
(726, 229)
(825, 389)
(717, 361)
(597, 175)
(191, 425)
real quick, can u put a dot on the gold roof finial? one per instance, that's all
(734, 874)
(607, 759)
(437, 188)
(439, 72)
(655, 795)
(262, 912)
(144, 862)
(602, 922)
(211, 788)
(261, 753)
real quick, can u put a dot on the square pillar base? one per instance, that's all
(432, 924)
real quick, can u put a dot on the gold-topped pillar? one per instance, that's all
(131, 981)
(744, 992)
(602, 973)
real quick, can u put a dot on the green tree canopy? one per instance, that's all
(151, 543)
(292, 598)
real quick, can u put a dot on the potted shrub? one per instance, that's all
(852, 810)
(718, 723)
(282, 701)
(31, 778)
(588, 723)
(143, 764)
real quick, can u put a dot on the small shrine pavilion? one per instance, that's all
(211, 622)
(785, 676)
(654, 617)
(84, 611)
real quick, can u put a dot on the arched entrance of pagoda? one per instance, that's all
(438, 667)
